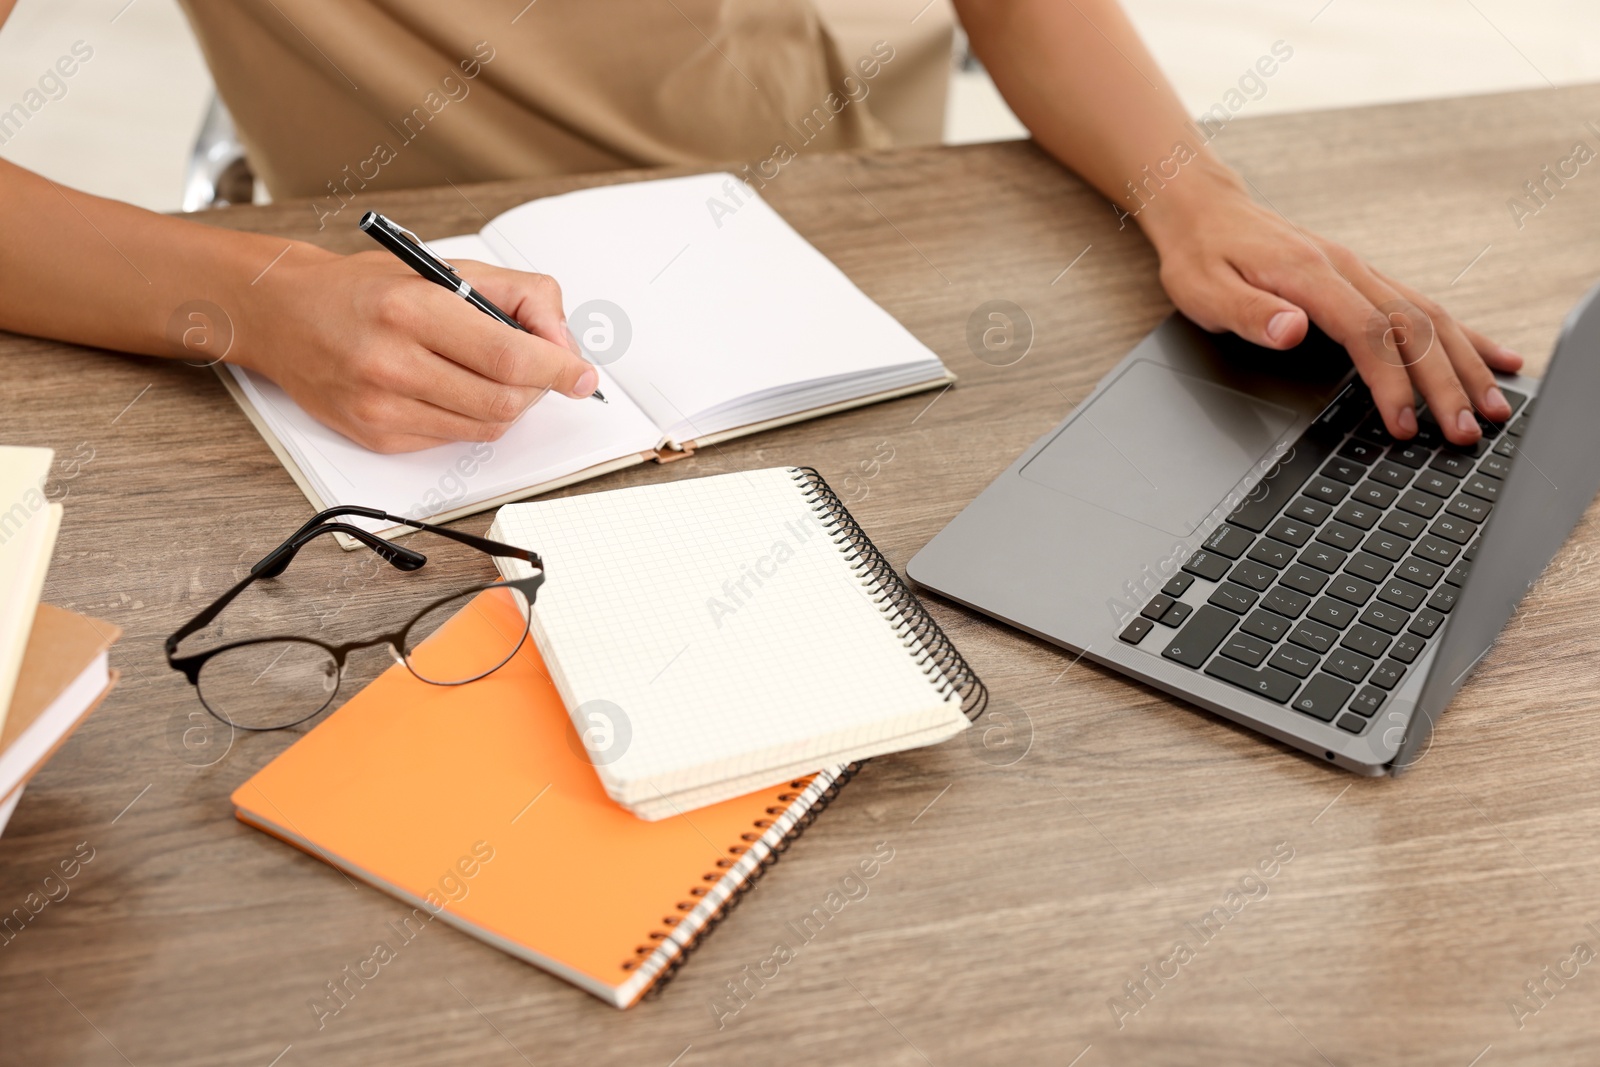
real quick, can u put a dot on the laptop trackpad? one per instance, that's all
(1160, 447)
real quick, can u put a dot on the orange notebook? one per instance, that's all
(477, 804)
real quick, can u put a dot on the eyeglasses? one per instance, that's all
(270, 683)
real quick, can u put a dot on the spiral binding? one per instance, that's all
(946, 669)
(778, 848)
(944, 666)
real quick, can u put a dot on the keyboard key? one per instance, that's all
(1323, 557)
(1351, 666)
(1175, 615)
(1236, 598)
(1428, 434)
(1339, 535)
(1471, 552)
(1358, 514)
(1495, 466)
(1178, 585)
(1484, 487)
(1323, 696)
(1507, 447)
(1388, 673)
(1304, 579)
(1427, 622)
(1292, 659)
(1436, 483)
(1441, 552)
(1135, 631)
(1314, 635)
(1324, 489)
(1404, 524)
(1282, 483)
(1374, 430)
(1362, 451)
(1352, 724)
(1387, 545)
(1467, 507)
(1304, 509)
(1458, 574)
(1517, 400)
(1402, 594)
(1246, 649)
(1344, 470)
(1274, 554)
(1252, 575)
(1452, 529)
(1351, 590)
(1366, 565)
(1290, 532)
(1409, 454)
(1366, 640)
(1443, 599)
(1335, 613)
(1368, 701)
(1419, 503)
(1157, 607)
(1419, 571)
(1208, 565)
(1193, 645)
(1265, 625)
(1391, 474)
(1407, 647)
(1385, 617)
(1374, 493)
(1229, 541)
(1452, 463)
(1517, 426)
(1272, 684)
(1490, 429)
(1286, 602)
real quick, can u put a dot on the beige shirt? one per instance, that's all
(333, 96)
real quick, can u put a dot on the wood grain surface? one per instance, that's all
(1032, 880)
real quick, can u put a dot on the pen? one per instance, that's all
(410, 250)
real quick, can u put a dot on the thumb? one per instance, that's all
(1231, 303)
(574, 377)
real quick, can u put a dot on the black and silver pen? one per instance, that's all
(410, 250)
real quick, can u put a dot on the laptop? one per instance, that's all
(1233, 525)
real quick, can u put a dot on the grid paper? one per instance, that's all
(720, 617)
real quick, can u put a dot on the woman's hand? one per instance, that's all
(1230, 264)
(397, 363)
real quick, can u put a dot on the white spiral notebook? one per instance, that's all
(713, 636)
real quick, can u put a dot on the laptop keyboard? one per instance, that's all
(1328, 581)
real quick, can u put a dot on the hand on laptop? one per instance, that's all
(1082, 81)
(1231, 264)
(397, 363)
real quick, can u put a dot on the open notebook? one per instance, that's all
(716, 635)
(733, 324)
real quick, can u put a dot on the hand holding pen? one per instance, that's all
(411, 251)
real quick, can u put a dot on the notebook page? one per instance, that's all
(724, 298)
(556, 437)
(722, 622)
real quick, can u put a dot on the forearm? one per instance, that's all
(97, 272)
(1082, 81)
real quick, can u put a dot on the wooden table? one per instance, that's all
(1027, 888)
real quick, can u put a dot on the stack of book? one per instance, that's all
(54, 664)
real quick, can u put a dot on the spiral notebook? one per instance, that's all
(722, 634)
(478, 807)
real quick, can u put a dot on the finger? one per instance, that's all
(532, 299)
(433, 379)
(1497, 355)
(1220, 300)
(1478, 392)
(1312, 280)
(388, 422)
(456, 330)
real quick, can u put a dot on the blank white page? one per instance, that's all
(726, 301)
(721, 618)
